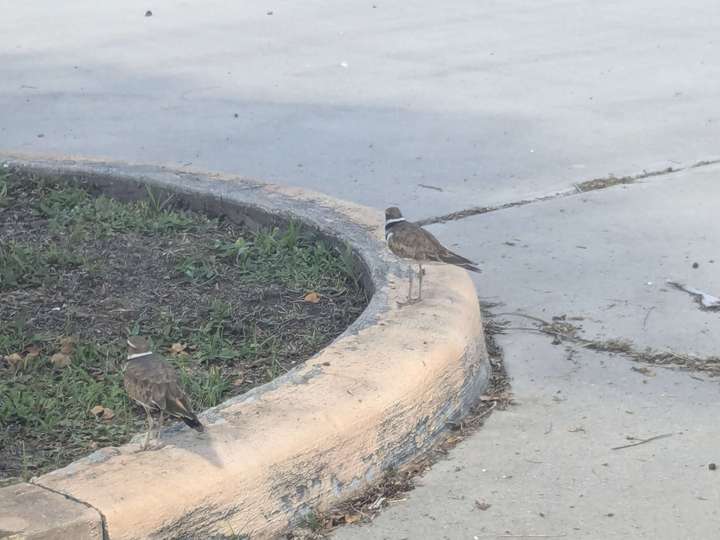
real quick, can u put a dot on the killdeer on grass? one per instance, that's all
(154, 384)
(410, 241)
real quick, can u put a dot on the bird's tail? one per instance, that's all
(458, 260)
(194, 423)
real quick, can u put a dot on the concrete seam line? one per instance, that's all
(596, 184)
(76, 500)
(377, 396)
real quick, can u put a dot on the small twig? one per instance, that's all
(521, 535)
(643, 441)
(377, 504)
(487, 411)
(427, 186)
(536, 319)
(647, 315)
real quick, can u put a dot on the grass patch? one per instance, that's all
(27, 265)
(225, 305)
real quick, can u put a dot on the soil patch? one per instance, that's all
(79, 272)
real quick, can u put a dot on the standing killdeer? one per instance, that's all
(410, 241)
(152, 382)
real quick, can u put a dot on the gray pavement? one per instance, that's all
(547, 466)
(606, 256)
(490, 101)
(440, 107)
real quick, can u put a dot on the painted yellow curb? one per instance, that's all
(376, 397)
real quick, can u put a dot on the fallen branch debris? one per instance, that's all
(643, 441)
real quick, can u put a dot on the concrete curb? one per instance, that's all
(379, 395)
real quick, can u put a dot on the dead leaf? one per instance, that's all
(644, 370)
(312, 297)
(103, 413)
(67, 345)
(482, 505)
(14, 360)
(32, 351)
(97, 410)
(178, 348)
(60, 360)
(352, 518)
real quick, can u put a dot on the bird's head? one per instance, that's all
(138, 344)
(393, 213)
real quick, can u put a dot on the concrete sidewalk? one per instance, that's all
(547, 466)
(440, 107)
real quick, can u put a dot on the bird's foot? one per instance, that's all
(409, 302)
(150, 445)
(156, 445)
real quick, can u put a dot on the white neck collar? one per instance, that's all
(395, 220)
(138, 355)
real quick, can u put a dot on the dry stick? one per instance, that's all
(521, 535)
(647, 315)
(532, 318)
(643, 441)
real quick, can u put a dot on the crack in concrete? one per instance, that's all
(560, 329)
(103, 521)
(595, 184)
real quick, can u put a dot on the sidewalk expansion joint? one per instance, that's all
(561, 330)
(103, 521)
(595, 184)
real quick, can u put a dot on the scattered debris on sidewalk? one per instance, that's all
(706, 301)
(642, 441)
(612, 180)
(482, 505)
(428, 186)
(644, 370)
(563, 331)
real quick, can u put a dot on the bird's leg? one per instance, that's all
(421, 273)
(410, 299)
(150, 429)
(411, 272)
(158, 444)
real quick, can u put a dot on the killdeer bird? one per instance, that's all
(154, 384)
(410, 241)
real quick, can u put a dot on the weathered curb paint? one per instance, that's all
(379, 395)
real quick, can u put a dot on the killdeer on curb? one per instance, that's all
(410, 241)
(154, 384)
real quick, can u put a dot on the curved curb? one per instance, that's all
(377, 396)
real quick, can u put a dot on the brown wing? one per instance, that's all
(152, 382)
(413, 242)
